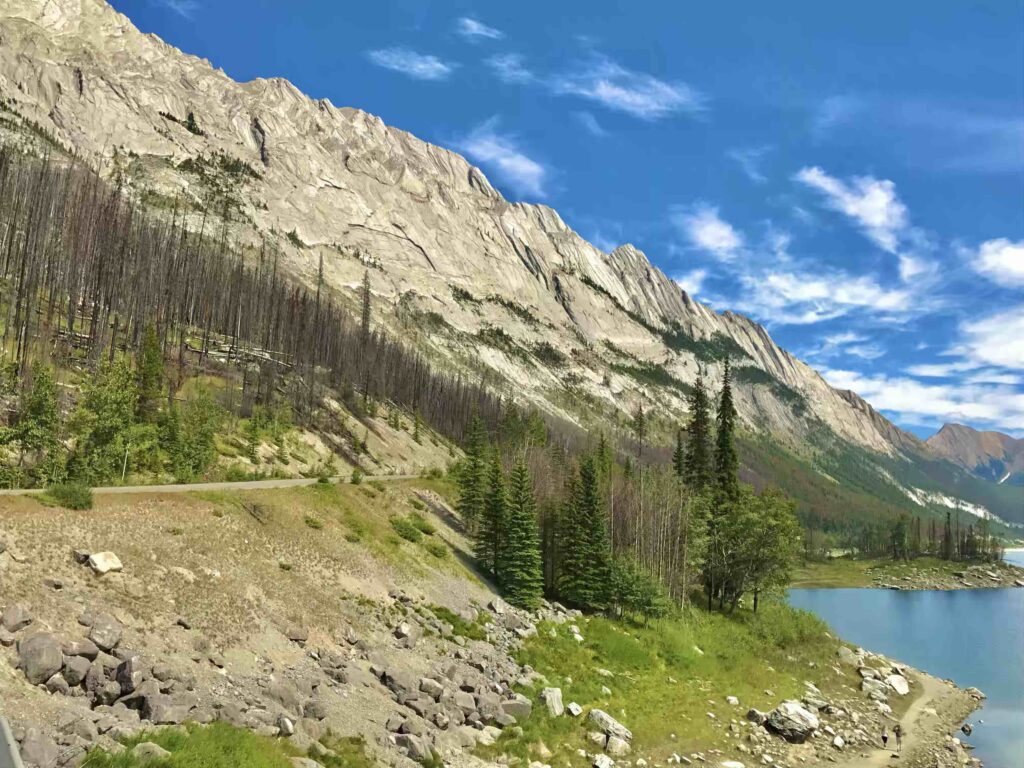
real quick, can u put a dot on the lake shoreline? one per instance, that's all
(916, 575)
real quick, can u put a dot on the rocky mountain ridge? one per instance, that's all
(337, 184)
(990, 455)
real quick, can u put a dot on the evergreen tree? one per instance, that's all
(640, 429)
(149, 372)
(37, 425)
(586, 577)
(365, 314)
(726, 460)
(698, 461)
(679, 456)
(491, 533)
(473, 475)
(947, 539)
(520, 570)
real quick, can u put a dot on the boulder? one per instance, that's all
(616, 746)
(130, 673)
(297, 634)
(574, 709)
(552, 698)
(431, 687)
(602, 761)
(38, 749)
(16, 617)
(85, 648)
(899, 684)
(609, 724)
(756, 716)
(792, 721)
(417, 747)
(40, 657)
(104, 562)
(75, 669)
(518, 707)
(147, 750)
(105, 631)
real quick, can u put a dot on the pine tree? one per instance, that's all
(491, 533)
(698, 462)
(726, 460)
(364, 324)
(520, 570)
(640, 429)
(149, 372)
(473, 476)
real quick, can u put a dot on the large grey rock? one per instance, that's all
(16, 617)
(792, 721)
(38, 750)
(105, 631)
(417, 747)
(147, 750)
(82, 647)
(104, 562)
(40, 657)
(617, 747)
(518, 707)
(609, 725)
(552, 698)
(899, 684)
(75, 669)
(287, 695)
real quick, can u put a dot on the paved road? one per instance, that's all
(243, 485)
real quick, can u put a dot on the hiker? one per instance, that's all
(898, 733)
(885, 737)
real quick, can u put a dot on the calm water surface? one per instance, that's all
(974, 637)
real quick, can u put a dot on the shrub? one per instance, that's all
(314, 522)
(422, 524)
(406, 529)
(436, 548)
(70, 495)
(416, 503)
(378, 484)
(357, 476)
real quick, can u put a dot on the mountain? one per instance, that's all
(990, 455)
(500, 290)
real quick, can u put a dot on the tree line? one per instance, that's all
(607, 532)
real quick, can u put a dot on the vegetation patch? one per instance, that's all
(69, 495)
(716, 349)
(405, 528)
(652, 374)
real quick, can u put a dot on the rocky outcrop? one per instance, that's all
(353, 192)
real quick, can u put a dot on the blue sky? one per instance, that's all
(852, 175)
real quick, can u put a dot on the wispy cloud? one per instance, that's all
(996, 340)
(749, 161)
(471, 29)
(845, 344)
(1001, 261)
(872, 203)
(185, 8)
(706, 230)
(692, 281)
(501, 153)
(510, 68)
(419, 66)
(588, 121)
(927, 403)
(834, 111)
(639, 94)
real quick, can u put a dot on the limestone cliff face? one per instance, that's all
(338, 184)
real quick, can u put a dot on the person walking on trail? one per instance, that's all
(898, 733)
(885, 737)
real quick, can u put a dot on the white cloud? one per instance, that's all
(509, 68)
(913, 267)
(501, 153)
(186, 8)
(923, 403)
(871, 202)
(636, 93)
(471, 29)
(706, 230)
(749, 161)
(996, 340)
(1001, 261)
(418, 66)
(692, 281)
(589, 122)
(847, 343)
(940, 370)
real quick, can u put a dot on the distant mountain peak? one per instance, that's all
(988, 454)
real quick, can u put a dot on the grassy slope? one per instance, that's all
(846, 572)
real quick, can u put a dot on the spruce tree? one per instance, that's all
(726, 460)
(520, 570)
(698, 462)
(586, 577)
(473, 475)
(492, 530)
(679, 456)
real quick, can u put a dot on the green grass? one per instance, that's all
(405, 528)
(847, 572)
(222, 746)
(662, 683)
(468, 629)
(69, 496)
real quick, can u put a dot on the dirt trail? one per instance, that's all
(243, 485)
(924, 723)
